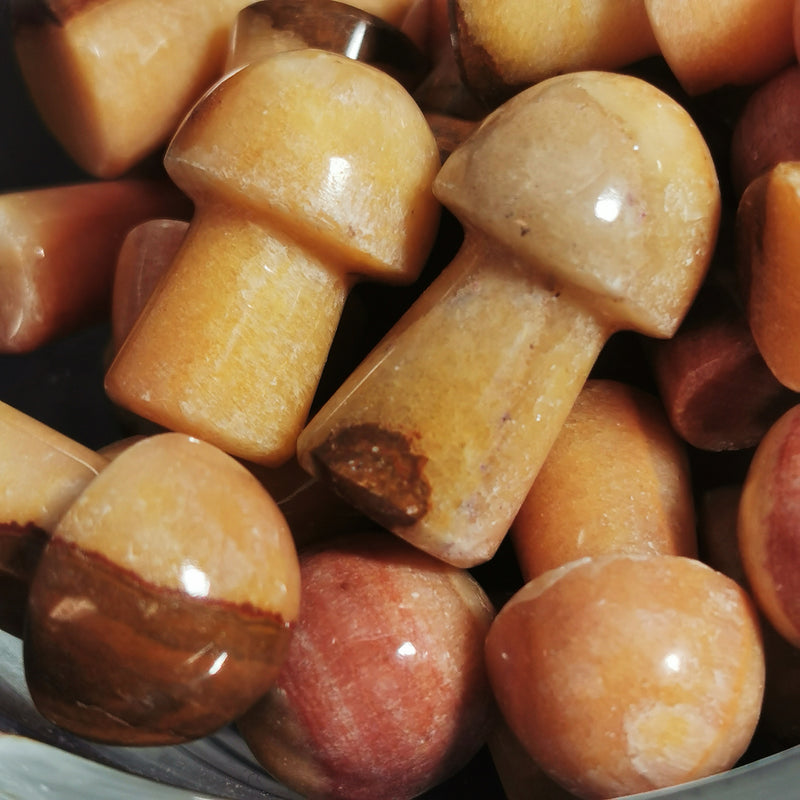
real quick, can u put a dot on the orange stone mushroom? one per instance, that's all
(308, 171)
(438, 435)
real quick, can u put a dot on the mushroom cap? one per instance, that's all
(600, 182)
(330, 151)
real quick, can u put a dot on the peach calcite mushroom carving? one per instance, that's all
(308, 171)
(590, 204)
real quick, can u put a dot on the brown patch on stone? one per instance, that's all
(376, 471)
(113, 658)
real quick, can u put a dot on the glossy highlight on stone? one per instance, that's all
(164, 602)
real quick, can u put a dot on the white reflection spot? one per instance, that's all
(406, 649)
(194, 581)
(608, 205)
(356, 40)
(673, 662)
(218, 662)
(338, 173)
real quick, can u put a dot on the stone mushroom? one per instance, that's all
(307, 170)
(271, 26)
(111, 78)
(261, 29)
(590, 204)
(164, 601)
(58, 247)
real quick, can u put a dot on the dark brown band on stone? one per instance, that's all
(342, 28)
(116, 659)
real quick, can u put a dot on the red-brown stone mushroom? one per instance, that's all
(590, 203)
(308, 169)
(384, 692)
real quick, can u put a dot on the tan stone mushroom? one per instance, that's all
(590, 204)
(112, 78)
(58, 248)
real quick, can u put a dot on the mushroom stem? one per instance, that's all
(234, 346)
(471, 386)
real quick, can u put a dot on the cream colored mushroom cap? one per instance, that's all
(599, 181)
